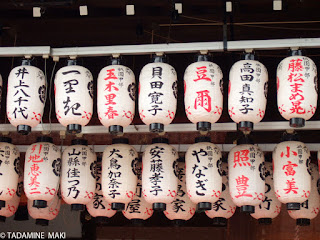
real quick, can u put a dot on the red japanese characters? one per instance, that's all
(248, 88)
(203, 92)
(297, 89)
(26, 97)
(203, 173)
(158, 89)
(223, 208)
(116, 97)
(9, 170)
(78, 174)
(159, 174)
(98, 206)
(270, 206)
(42, 171)
(138, 209)
(291, 173)
(73, 88)
(181, 208)
(246, 176)
(119, 173)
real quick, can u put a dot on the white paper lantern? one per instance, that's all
(9, 170)
(12, 204)
(138, 209)
(291, 173)
(203, 92)
(203, 173)
(73, 96)
(119, 176)
(270, 206)
(42, 171)
(26, 97)
(181, 208)
(78, 174)
(116, 97)
(247, 98)
(246, 176)
(159, 174)
(297, 89)
(223, 208)
(310, 208)
(157, 94)
(44, 215)
(98, 206)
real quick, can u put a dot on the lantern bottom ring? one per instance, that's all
(24, 129)
(2, 204)
(118, 206)
(247, 209)
(297, 122)
(179, 222)
(116, 130)
(39, 204)
(74, 128)
(137, 222)
(303, 222)
(156, 127)
(42, 222)
(77, 207)
(204, 126)
(101, 220)
(293, 206)
(2, 219)
(219, 222)
(265, 221)
(203, 206)
(245, 126)
(159, 207)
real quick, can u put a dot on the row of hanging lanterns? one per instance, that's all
(203, 88)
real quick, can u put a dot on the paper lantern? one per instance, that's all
(246, 176)
(248, 87)
(181, 208)
(159, 174)
(73, 87)
(42, 171)
(138, 209)
(119, 176)
(203, 173)
(26, 96)
(98, 206)
(9, 170)
(78, 174)
(157, 94)
(116, 96)
(44, 215)
(297, 89)
(309, 209)
(291, 173)
(223, 208)
(12, 205)
(270, 206)
(203, 92)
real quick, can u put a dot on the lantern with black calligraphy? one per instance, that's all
(26, 96)
(247, 94)
(42, 171)
(116, 96)
(181, 208)
(159, 174)
(44, 215)
(223, 208)
(98, 207)
(297, 88)
(291, 172)
(9, 170)
(73, 87)
(246, 175)
(309, 209)
(157, 94)
(119, 176)
(12, 204)
(138, 209)
(270, 206)
(203, 173)
(78, 174)
(203, 92)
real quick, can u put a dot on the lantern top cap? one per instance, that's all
(6, 139)
(160, 140)
(245, 139)
(99, 158)
(202, 139)
(158, 59)
(181, 159)
(79, 142)
(295, 52)
(44, 139)
(71, 62)
(26, 62)
(202, 58)
(120, 140)
(290, 137)
(248, 56)
(113, 60)
(42, 222)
